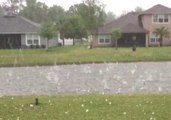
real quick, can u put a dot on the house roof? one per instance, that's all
(133, 28)
(158, 9)
(128, 23)
(17, 25)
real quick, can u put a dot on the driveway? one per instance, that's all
(148, 77)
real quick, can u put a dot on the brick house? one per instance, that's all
(141, 25)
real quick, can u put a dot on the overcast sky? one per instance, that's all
(116, 6)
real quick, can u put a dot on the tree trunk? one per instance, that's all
(91, 45)
(161, 41)
(134, 47)
(63, 40)
(73, 42)
(47, 44)
(91, 42)
(116, 44)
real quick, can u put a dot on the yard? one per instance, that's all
(84, 107)
(81, 54)
(87, 107)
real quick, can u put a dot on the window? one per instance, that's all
(29, 41)
(107, 40)
(154, 38)
(166, 18)
(104, 39)
(36, 42)
(155, 18)
(32, 40)
(163, 18)
(101, 40)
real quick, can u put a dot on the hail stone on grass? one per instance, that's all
(87, 110)
(152, 118)
(124, 113)
(82, 105)
(66, 112)
(31, 105)
(18, 118)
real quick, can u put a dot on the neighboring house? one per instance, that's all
(156, 17)
(19, 32)
(141, 25)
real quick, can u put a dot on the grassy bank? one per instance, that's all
(80, 54)
(87, 107)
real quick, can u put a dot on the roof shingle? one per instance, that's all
(17, 25)
(128, 23)
(158, 9)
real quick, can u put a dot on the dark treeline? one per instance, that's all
(79, 21)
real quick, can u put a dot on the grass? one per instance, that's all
(87, 107)
(80, 54)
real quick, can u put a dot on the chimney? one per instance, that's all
(9, 13)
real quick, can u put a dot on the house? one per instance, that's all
(139, 25)
(19, 32)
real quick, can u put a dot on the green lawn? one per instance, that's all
(80, 54)
(87, 107)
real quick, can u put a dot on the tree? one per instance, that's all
(138, 9)
(124, 12)
(12, 6)
(29, 11)
(48, 31)
(55, 13)
(1, 10)
(116, 34)
(39, 12)
(72, 27)
(94, 15)
(110, 16)
(161, 32)
(35, 11)
(76, 9)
